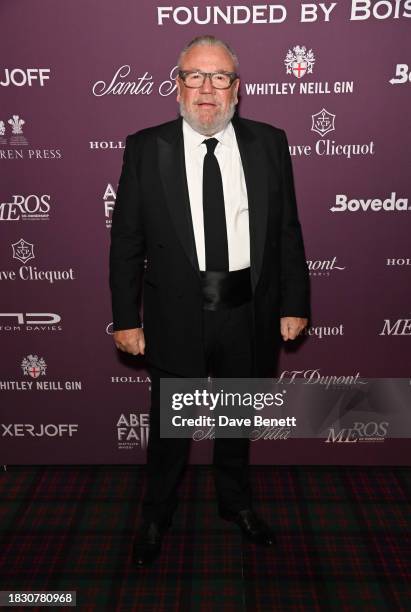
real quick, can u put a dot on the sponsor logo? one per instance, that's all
(306, 88)
(30, 321)
(382, 9)
(109, 200)
(142, 85)
(322, 123)
(35, 368)
(299, 63)
(390, 204)
(120, 85)
(399, 327)
(17, 142)
(130, 379)
(359, 432)
(323, 331)
(132, 431)
(28, 208)
(17, 137)
(401, 261)
(20, 78)
(106, 144)
(24, 251)
(39, 430)
(323, 267)
(402, 75)
(270, 433)
(314, 377)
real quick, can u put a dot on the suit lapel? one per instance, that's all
(174, 179)
(253, 159)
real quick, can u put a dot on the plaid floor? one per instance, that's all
(343, 534)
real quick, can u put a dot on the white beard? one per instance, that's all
(207, 128)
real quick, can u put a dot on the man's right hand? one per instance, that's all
(130, 340)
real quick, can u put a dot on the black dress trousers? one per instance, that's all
(229, 352)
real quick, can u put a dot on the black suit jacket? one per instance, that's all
(152, 220)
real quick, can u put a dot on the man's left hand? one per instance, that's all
(291, 327)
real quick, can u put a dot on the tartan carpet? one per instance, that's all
(343, 540)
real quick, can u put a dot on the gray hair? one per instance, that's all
(209, 40)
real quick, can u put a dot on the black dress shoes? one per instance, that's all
(147, 543)
(253, 528)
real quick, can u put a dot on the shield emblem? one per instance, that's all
(299, 68)
(323, 122)
(33, 366)
(23, 251)
(34, 371)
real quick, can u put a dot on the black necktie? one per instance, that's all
(215, 229)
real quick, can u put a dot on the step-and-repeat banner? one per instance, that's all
(75, 79)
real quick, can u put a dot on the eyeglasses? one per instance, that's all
(219, 80)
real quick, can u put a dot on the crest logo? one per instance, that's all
(299, 61)
(33, 366)
(16, 124)
(11, 133)
(23, 251)
(17, 137)
(323, 122)
(3, 140)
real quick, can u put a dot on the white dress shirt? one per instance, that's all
(234, 188)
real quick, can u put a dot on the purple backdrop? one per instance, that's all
(75, 79)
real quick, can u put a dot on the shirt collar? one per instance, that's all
(194, 139)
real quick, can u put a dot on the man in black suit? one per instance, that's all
(208, 200)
